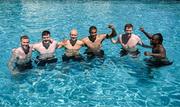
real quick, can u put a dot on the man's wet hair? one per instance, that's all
(24, 37)
(159, 37)
(128, 26)
(91, 28)
(46, 32)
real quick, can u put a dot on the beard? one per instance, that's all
(93, 36)
(46, 43)
(73, 41)
(128, 33)
(25, 48)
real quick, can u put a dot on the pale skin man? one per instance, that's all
(72, 47)
(129, 42)
(94, 41)
(46, 49)
(21, 56)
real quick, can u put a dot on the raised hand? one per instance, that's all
(141, 29)
(110, 26)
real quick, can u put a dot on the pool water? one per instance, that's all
(112, 82)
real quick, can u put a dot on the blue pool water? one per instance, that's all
(116, 81)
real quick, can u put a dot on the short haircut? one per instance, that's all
(24, 37)
(74, 30)
(128, 26)
(91, 28)
(46, 32)
(159, 37)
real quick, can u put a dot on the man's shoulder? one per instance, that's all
(120, 35)
(53, 41)
(36, 44)
(161, 46)
(30, 45)
(79, 41)
(134, 35)
(102, 35)
(84, 39)
(65, 42)
(16, 50)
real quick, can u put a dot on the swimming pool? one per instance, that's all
(113, 82)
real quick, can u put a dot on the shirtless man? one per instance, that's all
(72, 47)
(93, 41)
(21, 57)
(129, 41)
(158, 54)
(46, 49)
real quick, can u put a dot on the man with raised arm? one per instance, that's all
(158, 55)
(94, 41)
(129, 42)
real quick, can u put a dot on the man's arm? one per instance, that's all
(11, 63)
(162, 54)
(149, 36)
(145, 46)
(52, 40)
(84, 42)
(62, 43)
(142, 44)
(113, 33)
(35, 46)
(114, 41)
